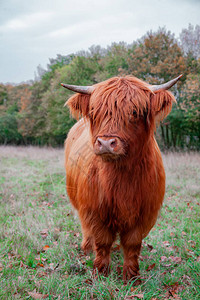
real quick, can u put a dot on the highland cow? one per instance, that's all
(115, 173)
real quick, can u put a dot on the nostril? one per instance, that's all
(113, 143)
(99, 142)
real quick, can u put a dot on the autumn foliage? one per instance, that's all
(33, 113)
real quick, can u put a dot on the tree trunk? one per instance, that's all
(167, 135)
(173, 135)
(163, 134)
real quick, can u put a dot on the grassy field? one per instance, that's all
(40, 256)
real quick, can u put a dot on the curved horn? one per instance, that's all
(79, 89)
(165, 86)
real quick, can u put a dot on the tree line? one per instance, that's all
(33, 113)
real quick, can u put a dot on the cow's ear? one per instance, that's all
(79, 105)
(161, 104)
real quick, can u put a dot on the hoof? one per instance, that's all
(101, 269)
(131, 274)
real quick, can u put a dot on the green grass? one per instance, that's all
(35, 212)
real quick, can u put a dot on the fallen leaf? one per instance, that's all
(88, 281)
(56, 230)
(46, 247)
(40, 265)
(77, 234)
(43, 259)
(139, 296)
(163, 273)
(150, 247)
(143, 257)
(42, 274)
(167, 265)
(83, 262)
(153, 251)
(192, 243)
(133, 289)
(163, 258)
(186, 279)
(175, 259)
(166, 243)
(171, 249)
(22, 265)
(35, 295)
(17, 296)
(173, 290)
(1, 267)
(44, 233)
(136, 296)
(10, 255)
(51, 266)
(149, 268)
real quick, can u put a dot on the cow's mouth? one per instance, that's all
(110, 157)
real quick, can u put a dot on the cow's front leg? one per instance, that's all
(103, 242)
(131, 242)
(87, 242)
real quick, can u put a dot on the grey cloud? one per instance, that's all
(33, 31)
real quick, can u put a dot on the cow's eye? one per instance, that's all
(134, 114)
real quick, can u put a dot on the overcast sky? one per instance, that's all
(33, 31)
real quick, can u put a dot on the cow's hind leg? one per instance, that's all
(131, 242)
(103, 241)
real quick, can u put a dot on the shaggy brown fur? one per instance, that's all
(121, 193)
